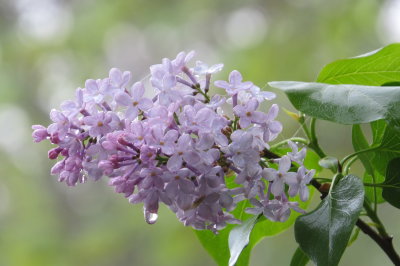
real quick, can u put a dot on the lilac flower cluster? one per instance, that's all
(179, 147)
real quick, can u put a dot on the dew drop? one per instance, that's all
(83, 178)
(150, 217)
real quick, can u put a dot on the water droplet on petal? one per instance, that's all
(84, 178)
(150, 217)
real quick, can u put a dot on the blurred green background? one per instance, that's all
(50, 47)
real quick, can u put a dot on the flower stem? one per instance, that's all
(348, 157)
(386, 244)
(347, 167)
(235, 122)
(374, 217)
(197, 87)
(314, 141)
(312, 136)
(300, 140)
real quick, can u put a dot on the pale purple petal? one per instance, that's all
(290, 178)
(169, 81)
(171, 135)
(126, 77)
(123, 99)
(145, 104)
(222, 84)
(116, 76)
(90, 120)
(244, 121)
(273, 112)
(91, 85)
(277, 187)
(174, 163)
(206, 141)
(186, 186)
(284, 164)
(268, 95)
(192, 157)
(235, 77)
(131, 113)
(293, 189)
(215, 68)
(137, 91)
(259, 117)
(304, 193)
(252, 105)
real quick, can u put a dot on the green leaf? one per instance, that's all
(361, 143)
(217, 244)
(299, 258)
(379, 67)
(323, 234)
(354, 236)
(344, 104)
(329, 162)
(239, 238)
(386, 142)
(374, 68)
(378, 129)
(392, 192)
(374, 194)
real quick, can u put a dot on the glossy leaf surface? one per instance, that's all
(323, 234)
(344, 104)
(239, 238)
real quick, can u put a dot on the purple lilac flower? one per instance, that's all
(235, 84)
(119, 79)
(248, 113)
(300, 184)
(183, 152)
(271, 127)
(134, 100)
(164, 142)
(99, 124)
(202, 68)
(260, 95)
(276, 210)
(296, 155)
(241, 151)
(39, 133)
(280, 177)
(178, 148)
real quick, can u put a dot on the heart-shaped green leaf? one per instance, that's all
(391, 190)
(323, 234)
(344, 104)
(374, 68)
